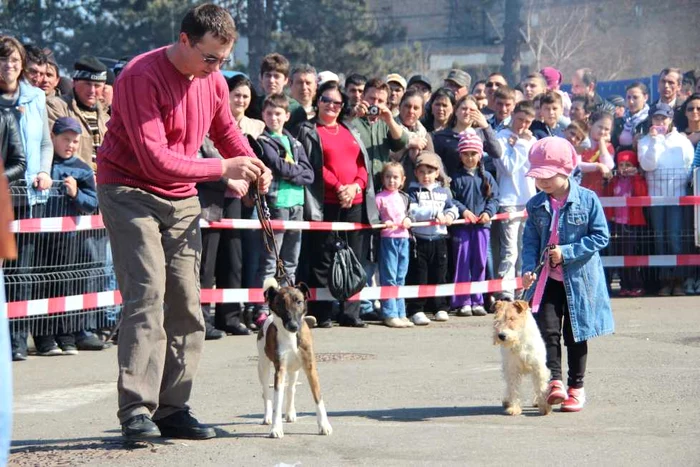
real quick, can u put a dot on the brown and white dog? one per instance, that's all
(522, 352)
(285, 343)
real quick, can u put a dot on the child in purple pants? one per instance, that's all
(476, 196)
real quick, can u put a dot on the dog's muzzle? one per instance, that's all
(502, 336)
(291, 326)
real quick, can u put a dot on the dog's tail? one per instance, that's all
(270, 283)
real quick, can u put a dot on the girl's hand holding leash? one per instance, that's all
(555, 256)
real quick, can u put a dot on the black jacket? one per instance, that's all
(272, 154)
(313, 200)
(11, 147)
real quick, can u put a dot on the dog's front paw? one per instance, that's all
(291, 417)
(514, 410)
(277, 431)
(324, 428)
(544, 408)
(267, 419)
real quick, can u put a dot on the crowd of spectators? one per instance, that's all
(338, 148)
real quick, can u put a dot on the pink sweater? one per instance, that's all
(392, 207)
(159, 121)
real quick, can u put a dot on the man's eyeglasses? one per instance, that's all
(329, 101)
(210, 59)
(493, 85)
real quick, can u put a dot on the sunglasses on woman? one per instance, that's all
(329, 101)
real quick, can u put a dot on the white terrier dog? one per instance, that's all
(522, 352)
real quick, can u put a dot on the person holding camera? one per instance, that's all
(381, 135)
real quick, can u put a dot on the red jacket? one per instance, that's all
(617, 188)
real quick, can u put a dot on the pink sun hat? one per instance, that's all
(551, 156)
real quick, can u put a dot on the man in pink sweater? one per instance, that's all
(165, 102)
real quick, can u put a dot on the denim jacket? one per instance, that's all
(583, 232)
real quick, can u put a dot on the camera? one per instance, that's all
(373, 110)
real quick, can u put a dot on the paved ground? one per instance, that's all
(428, 396)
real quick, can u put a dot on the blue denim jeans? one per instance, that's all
(393, 267)
(5, 381)
(667, 222)
(367, 306)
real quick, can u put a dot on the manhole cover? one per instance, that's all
(335, 357)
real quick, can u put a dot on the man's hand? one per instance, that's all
(513, 139)
(417, 142)
(385, 113)
(239, 187)
(42, 181)
(528, 279)
(244, 168)
(470, 217)
(555, 256)
(484, 218)
(264, 181)
(360, 109)
(71, 186)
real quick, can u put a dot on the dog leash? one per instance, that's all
(543, 259)
(269, 233)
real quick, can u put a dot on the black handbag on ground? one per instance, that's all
(346, 276)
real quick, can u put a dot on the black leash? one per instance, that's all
(269, 234)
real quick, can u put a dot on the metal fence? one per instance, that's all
(58, 264)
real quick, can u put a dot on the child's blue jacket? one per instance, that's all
(583, 232)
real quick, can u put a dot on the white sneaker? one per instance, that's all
(407, 322)
(394, 323)
(419, 319)
(441, 316)
(479, 310)
(689, 286)
(466, 310)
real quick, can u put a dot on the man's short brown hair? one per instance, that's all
(551, 97)
(504, 93)
(277, 101)
(526, 107)
(209, 18)
(378, 84)
(276, 63)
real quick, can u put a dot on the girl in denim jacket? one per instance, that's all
(564, 233)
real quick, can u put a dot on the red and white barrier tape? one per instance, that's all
(73, 224)
(51, 306)
(59, 305)
(646, 201)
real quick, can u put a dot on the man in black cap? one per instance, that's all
(108, 92)
(459, 82)
(422, 84)
(89, 78)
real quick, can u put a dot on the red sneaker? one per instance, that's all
(636, 293)
(624, 293)
(575, 402)
(556, 394)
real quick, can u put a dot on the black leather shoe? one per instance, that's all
(325, 324)
(352, 323)
(212, 333)
(140, 427)
(184, 426)
(239, 329)
(19, 356)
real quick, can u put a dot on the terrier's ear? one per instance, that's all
(270, 287)
(499, 309)
(521, 305)
(304, 289)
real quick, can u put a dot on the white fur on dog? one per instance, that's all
(522, 352)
